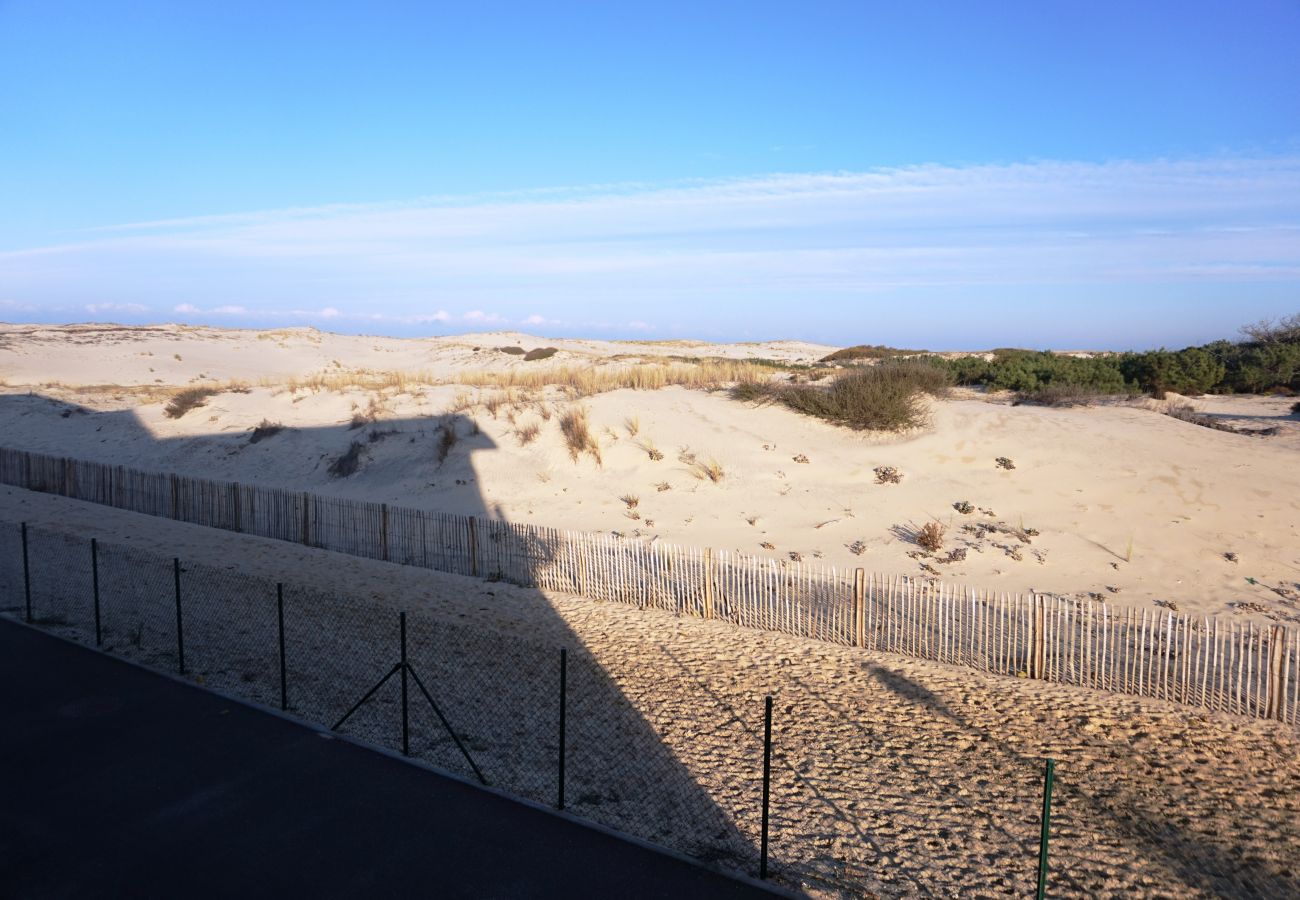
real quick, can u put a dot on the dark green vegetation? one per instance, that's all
(1266, 359)
(868, 351)
(882, 388)
(513, 351)
(883, 397)
(540, 353)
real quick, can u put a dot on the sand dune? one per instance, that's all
(1114, 501)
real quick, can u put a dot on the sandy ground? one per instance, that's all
(1127, 504)
(892, 777)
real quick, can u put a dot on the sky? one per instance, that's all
(941, 175)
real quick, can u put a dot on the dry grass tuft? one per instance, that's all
(589, 380)
(633, 425)
(528, 433)
(712, 470)
(447, 440)
(188, 399)
(577, 434)
(632, 500)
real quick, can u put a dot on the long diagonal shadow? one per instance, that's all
(498, 691)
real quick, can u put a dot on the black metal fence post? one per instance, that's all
(564, 685)
(27, 577)
(94, 586)
(406, 725)
(284, 675)
(1049, 777)
(180, 630)
(767, 782)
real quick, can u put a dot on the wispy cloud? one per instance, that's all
(792, 237)
(98, 308)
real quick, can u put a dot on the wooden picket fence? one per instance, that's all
(1236, 667)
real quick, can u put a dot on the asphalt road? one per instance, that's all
(117, 782)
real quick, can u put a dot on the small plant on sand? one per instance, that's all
(493, 404)
(1003, 462)
(888, 475)
(447, 439)
(651, 450)
(857, 548)
(633, 425)
(264, 430)
(930, 537)
(186, 400)
(663, 486)
(802, 459)
(528, 433)
(712, 470)
(965, 507)
(461, 402)
(348, 463)
(577, 434)
(632, 500)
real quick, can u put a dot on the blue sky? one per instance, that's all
(933, 174)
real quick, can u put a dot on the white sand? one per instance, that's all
(1129, 504)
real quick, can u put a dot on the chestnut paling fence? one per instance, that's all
(1238, 667)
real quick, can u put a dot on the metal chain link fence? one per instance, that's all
(885, 803)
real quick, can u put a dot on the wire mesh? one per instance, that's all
(885, 782)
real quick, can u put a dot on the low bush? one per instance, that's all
(883, 397)
(1058, 395)
(540, 353)
(188, 399)
(513, 351)
(867, 351)
(348, 463)
(264, 430)
(930, 537)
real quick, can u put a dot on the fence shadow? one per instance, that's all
(498, 693)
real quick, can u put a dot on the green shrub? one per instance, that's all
(1190, 371)
(1032, 370)
(867, 351)
(540, 353)
(513, 351)
(883, 397)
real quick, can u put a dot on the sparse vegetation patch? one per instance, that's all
(264, 430)
(348, 463)
(188, 399)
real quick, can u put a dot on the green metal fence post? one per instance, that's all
(1049, 776)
